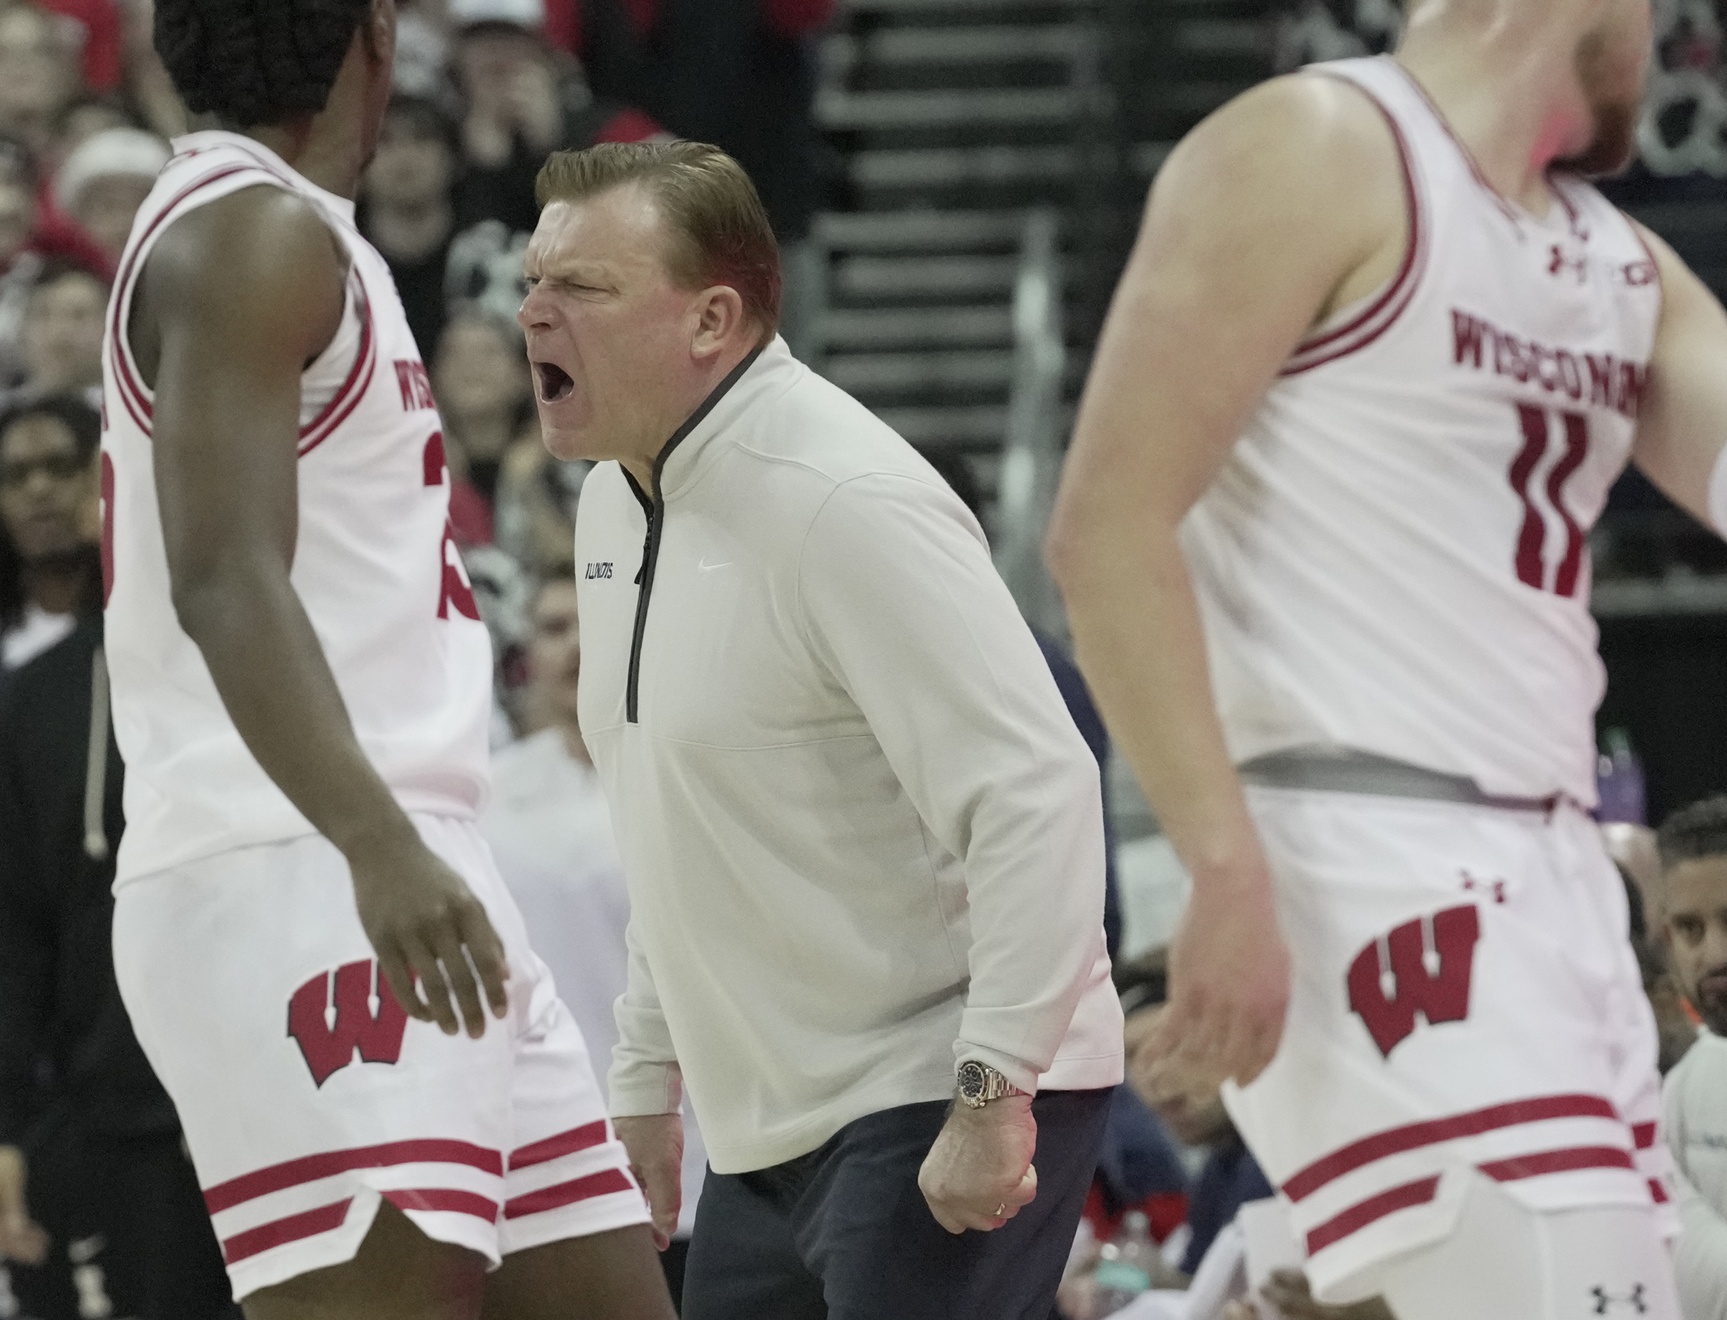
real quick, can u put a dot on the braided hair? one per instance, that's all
(255, 62)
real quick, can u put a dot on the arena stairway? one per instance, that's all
(958, 124)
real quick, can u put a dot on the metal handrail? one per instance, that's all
(1032, 450)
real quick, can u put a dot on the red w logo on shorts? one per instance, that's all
(330, 1027)
(1423, 966)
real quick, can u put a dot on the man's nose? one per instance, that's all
(535, 313)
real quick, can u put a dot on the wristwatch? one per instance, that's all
(979, 1084)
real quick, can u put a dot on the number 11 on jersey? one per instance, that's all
(1540, 428)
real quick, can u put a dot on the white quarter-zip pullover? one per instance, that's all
(863, 838)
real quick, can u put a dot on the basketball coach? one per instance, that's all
(863, 838)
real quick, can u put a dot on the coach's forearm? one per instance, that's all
(1034, 886)
(276, 684)
(644, 1076)
(1139, 642)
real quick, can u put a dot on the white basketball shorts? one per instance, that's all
(308, 1095)
(1465, 997)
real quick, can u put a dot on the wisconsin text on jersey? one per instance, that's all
(1608, 381)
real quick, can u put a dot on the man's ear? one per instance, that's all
(720, 316)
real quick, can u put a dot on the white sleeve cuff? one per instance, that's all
(636, 1089)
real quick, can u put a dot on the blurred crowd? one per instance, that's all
(100, 1214)
(485, 90)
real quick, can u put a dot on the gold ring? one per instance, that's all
(1001, 1210)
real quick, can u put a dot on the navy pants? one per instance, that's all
(843, 1233)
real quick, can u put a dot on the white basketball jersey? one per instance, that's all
(1395, 556)
(374, 564)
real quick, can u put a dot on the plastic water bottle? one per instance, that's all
(1124, 1267)
(1619, 780)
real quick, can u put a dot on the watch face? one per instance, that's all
(971, 1079)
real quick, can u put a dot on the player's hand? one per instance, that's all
(22, 1239)
(1228, 993)
(656, 1146)
(435, 944)
(981, 1163)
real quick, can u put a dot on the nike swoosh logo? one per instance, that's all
(706, 567)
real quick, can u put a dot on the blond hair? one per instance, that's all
(720, 232)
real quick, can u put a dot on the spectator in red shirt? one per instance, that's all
(94, 30)
(485, 395)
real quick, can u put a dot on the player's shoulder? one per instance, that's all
(1307, 130)
(264, 236)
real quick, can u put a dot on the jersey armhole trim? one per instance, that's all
(129, 383)
(359, 377)
(1383, 309)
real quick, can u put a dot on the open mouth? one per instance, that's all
(555, 383)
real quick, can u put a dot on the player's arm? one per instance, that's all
(236, 299)
(1246, 243)
(1683, 428)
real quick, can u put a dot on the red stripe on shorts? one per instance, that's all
(280, 1232)
(1644, 1135)
(604, 1183)
(1658, 1191)
(1374, 1208)
(1394, 1141)
(309, 1168)
(443, 1198)
(1558, 1161)
(565, 1143)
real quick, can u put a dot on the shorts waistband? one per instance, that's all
(1348, 770)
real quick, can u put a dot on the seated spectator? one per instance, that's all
(1229, 1179)
(485, 395)
(550, 832)
(99, 1206)
(1694, 910)
(94, 32)
(38, 76)
(1230, 1176)
(406, 209)
(61, 333)
(513, 112)
(31, 233)
(535, 510)
(105, 180)
(1637, 855)
(86, 117)
(521, 100)
(49, 565)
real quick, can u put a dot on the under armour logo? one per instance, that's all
(1494, 889)
(1606, 1301)
(1559, 262)
(362, 1014)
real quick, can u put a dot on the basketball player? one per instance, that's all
(305, 914)
(1375, 362)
